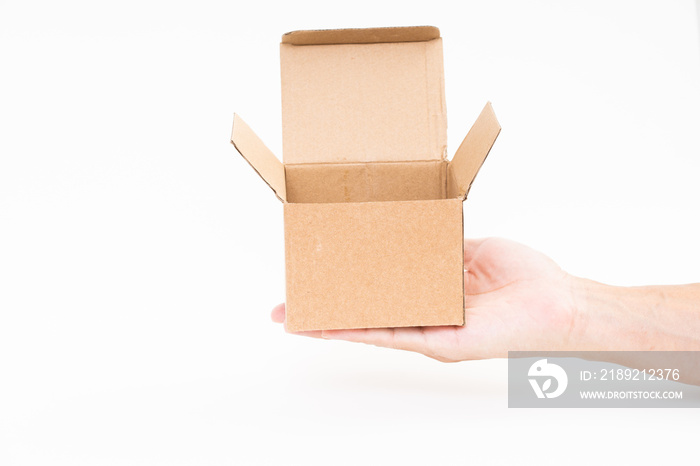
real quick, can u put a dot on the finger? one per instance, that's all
(278, 313)
(408, 338)
(307, 333)
(278, 316)
(471, 246)
(310, 333)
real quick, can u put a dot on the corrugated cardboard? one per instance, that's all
(372, 208)
(363, 102)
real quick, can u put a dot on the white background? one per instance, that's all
(140, 255)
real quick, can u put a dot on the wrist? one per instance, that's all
(597, 316)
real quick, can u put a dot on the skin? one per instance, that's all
(518, 299)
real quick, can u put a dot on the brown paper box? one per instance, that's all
(372, 208)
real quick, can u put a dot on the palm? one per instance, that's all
(515, 299)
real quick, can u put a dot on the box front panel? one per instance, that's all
(375, 264)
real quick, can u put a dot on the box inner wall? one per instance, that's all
(369, 182)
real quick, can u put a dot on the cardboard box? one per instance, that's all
(372, 208)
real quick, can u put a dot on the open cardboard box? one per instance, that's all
(372, 208)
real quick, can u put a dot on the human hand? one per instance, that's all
(516, 299)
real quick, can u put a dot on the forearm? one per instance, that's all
(661, 318)
(636, 320)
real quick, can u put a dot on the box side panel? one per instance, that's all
(366, 182)
(363, 102)
(383, 264)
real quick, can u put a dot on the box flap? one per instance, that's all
(361, 36)
(352, 96)
(473, 151)
(249, 145)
